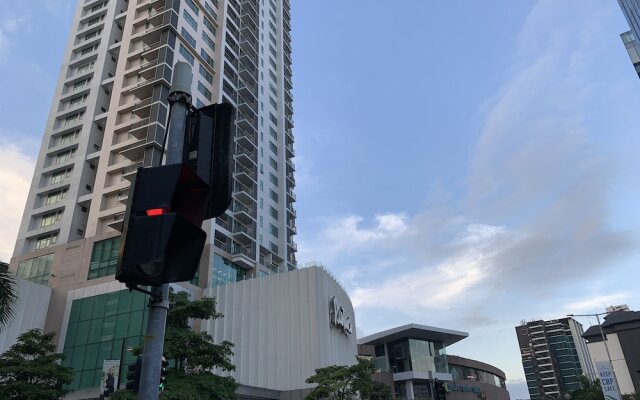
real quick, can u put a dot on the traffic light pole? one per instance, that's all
(180, 102)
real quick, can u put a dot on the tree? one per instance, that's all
(30, 369)
(340, 382)
(590, 390)
(8, 295)
(193, 355)
(634, 396)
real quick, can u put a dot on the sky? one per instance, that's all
(466, 165)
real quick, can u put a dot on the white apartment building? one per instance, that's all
(109, 114)
(108, 118)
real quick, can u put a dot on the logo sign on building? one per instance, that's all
(607, 380)
(110, 377)
(337, 317)
(453, 387)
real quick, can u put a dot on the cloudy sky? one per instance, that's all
(462, 164)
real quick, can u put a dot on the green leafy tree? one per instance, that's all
(590, 390)
(193, 355)
(8, 295)
(30, 369)
(634, 396)
(340, 382)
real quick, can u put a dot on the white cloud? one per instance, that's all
(8, 27)
(595, 303)
(16, 170)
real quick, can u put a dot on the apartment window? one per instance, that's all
(210, 26)
(88, 50)
(46, 241)
(273, 163)
(92, 34)
(199, 103)
(65, 156)
(68, 137)
(85, 67)
(210, 11)
(273, 76)
(207, 58)
(273, 212)
(190, 19)
(273, 148)
(193, 6)
(261, 203)
(202, 89)
(273, 247)
(104, 258)
(77, 100)
(272, 50)
(273, 133)
(273, 119)
(60, 176)
(37, 269)
(273, 229)
(73, 119)
(51, 218)
(205, 74)
(273, 195)
(273, 179)
(261, 221)
(188, 38)
(208, 41)
(186, 54)
(273, 103)
(56, 197)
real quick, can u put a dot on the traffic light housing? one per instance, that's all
(440, 390)
(133, 375)
(163, 374)
(162, 240)
(209, 151)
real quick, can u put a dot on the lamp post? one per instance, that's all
(604, 340)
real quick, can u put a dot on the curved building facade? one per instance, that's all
(284, 327)
(474, 379)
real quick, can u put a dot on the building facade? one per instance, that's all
(284, 327)
(631, 11)
(410, 358)
(622, 333)
(109, 116)
(473, 379)
(554, 355)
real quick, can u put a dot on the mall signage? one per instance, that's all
(338, 318)
(452, 387)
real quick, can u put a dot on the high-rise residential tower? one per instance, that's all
(630, 38)
(108, 117)
(554, 355)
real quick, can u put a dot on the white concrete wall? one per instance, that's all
(280, 327)
(30, 312)
(598, 353)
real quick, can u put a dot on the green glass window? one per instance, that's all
(98, 328)
(104, 258)
(37, 269)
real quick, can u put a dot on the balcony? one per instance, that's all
(243, 256)
(117, 222)
(242, 233)
(247, 122)
(247, 176)
(243, 193)
(291, 196)
(246, 139)
(243, 213)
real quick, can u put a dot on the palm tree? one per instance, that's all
(8, 295)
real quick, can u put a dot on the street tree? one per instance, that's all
(31, 370)
(341, 382)
(8, 296)
(590, 390)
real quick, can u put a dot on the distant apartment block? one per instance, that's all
(631, 10)
(554, 355)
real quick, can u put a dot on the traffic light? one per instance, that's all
(209, 150)
(163, 373)
(162, 240)
(440, 390)
(133, 375)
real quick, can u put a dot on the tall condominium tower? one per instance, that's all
(631, 10)
(554, 355)
(109, 117)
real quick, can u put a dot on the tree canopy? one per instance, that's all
(30, 369)
(590, 390)
(341, 382)
(8, 296)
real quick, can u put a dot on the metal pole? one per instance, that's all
(180, 101)
(124, 344)
(604, 340)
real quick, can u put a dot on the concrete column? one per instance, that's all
(409, 387)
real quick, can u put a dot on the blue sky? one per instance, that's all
(459, 164)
